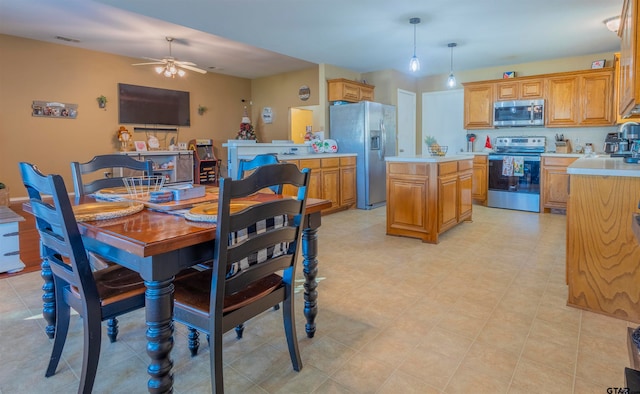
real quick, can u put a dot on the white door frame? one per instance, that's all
(406, 134)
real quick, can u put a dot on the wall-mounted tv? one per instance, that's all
(153, 106)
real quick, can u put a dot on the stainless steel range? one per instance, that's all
(514, 173)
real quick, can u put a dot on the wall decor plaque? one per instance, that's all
(52, 109)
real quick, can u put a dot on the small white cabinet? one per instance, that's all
(176, 166)
(9, 241)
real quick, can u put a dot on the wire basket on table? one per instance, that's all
(142, 186)
(438, 150)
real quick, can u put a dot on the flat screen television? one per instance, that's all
(153, 106)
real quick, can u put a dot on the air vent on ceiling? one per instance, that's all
(67, 39)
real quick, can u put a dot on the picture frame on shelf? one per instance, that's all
(141, 146)
(598, 64)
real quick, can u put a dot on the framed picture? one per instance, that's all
(141, 146)
(508, 74)
(598, 64)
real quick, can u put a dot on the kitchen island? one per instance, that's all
(428, 195)
(603, 256)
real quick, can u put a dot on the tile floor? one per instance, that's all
(482, 312)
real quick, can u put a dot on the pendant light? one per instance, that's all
(414, 63)
(451, 81)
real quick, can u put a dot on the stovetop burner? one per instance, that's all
(533, 144)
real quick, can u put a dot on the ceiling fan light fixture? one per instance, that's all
(451, 81)
(159, 69)
(181, 73)
(613, 23)
(414, 63)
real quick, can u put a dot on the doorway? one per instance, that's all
(300, 119)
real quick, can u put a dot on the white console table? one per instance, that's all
(9, 241)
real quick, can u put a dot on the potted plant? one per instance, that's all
(102, 101)
(4, 195)
(202, 109)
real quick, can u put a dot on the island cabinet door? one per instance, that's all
(447, 202)
(465, 186)
(408, 201)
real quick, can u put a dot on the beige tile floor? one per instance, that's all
(481, 312)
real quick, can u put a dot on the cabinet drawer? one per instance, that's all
(465, 165)
(332, 162)
(407, 168)
(558, 161)
(347, 161)
(449, 167)
(480, 159)
(309, 163)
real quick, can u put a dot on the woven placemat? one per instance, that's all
(209, 212)
(105, 210)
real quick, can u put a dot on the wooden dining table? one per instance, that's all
(158, 245)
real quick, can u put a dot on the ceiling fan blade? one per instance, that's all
(154, 59)
(147, 64)
(181, 63)
(196, 69)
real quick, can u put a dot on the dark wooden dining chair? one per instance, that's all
(247, 165)
(96, 296)
(105, 162)
(215, 301)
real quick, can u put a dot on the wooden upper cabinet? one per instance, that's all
(478, 105)
(345, 90)
(580, 99)
(520, 90)
(596, 99)
(561, 106)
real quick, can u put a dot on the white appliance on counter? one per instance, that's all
(247, 149)
(368, 129)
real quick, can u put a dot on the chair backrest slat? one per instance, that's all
(106, 162)
(247, 165)
(58, 229)
(258, 247)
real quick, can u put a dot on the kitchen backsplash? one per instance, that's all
(577, 135)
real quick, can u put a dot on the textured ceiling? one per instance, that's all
(256, 38)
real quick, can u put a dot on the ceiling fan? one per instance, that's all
(169, 66)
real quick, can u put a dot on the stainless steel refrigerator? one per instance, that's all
(368, 129)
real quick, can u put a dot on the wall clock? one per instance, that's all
(304, 92)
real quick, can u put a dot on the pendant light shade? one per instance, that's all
(414, 63)
(451, 81)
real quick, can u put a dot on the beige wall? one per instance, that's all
(280, 93)
(34, 70)
(49, 72)
(436, 83)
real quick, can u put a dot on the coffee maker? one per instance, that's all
(629, 134)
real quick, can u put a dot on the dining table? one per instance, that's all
(158, 245)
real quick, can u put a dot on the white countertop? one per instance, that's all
(554, 154)
(604, 166)
(314, 156)
(428, 159)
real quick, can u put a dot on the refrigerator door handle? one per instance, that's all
(381, 152)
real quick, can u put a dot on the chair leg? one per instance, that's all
(91, 351)
(194, 342)
(290, 332)
(112, 329)
(276, 307)
(215, 359)
(239, 330)
(63, 313)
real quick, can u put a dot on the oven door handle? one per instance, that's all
(527, 157)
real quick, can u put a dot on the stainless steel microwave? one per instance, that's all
(518, 113)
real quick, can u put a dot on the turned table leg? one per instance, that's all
(159, 316)
(310, 270)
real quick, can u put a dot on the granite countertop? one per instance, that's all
(429, 159)
(604, 166)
